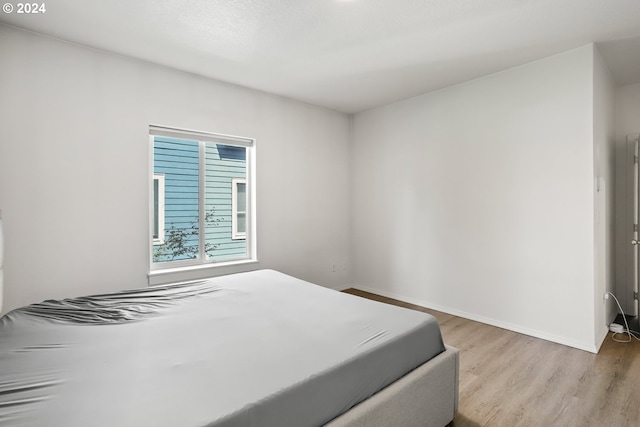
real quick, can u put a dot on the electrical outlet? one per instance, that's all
(605, 296)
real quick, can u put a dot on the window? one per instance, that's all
(202, 210)
(238, 208)
(158, 209)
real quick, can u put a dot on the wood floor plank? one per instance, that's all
(513, 380)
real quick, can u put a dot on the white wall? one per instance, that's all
(478, 199)
(604, 90)
(627, 122)
(74, 168)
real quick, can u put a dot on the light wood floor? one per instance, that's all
(509, 379)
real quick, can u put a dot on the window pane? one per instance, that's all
(156, 207)
(242, 197)
(178, 160)
(223, 164)
(242, 228)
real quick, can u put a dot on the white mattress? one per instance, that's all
(252, 349)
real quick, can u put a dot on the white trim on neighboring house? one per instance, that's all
(158, 229)
(235, 234)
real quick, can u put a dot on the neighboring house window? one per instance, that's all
(202, 198)
(238, 208)
(158, 209)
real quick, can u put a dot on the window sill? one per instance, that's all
(201, 271)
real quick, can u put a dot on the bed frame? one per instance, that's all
(425, 397)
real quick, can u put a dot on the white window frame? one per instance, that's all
(160, 273)
(235, 234)
(160, 239)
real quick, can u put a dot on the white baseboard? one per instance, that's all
(493, 322)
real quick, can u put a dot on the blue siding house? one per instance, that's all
(177, 193)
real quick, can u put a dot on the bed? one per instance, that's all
(257, 349)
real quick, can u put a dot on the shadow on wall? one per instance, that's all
(622, 59)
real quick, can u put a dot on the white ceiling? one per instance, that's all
(346, 55)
